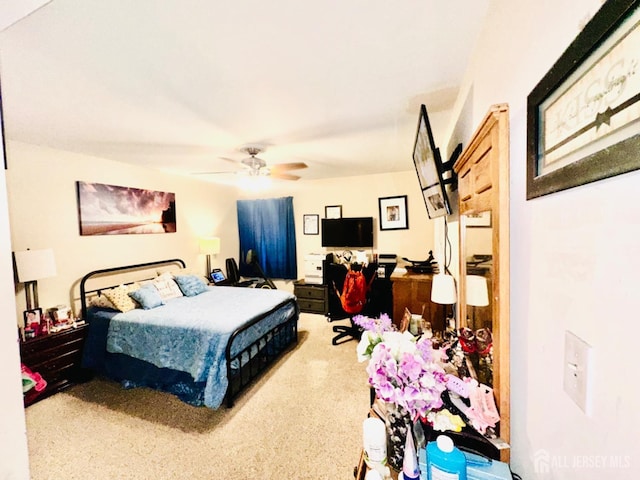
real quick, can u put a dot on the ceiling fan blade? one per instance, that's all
(281, 167)
(214, 173)
(284, 176)
(230, 160)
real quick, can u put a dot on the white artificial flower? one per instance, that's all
(399, 343)
(368, 338)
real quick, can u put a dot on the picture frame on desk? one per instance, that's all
(60, 314)
(32, 322)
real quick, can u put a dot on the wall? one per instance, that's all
(359, 198)
(573, 267)
(13, 439)
(43, 212)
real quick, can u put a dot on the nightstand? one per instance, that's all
(312, 298)
(57, 358)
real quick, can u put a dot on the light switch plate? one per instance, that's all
(577, 370)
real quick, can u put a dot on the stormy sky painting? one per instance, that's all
(112, 210)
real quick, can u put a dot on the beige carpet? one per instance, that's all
(302, 420)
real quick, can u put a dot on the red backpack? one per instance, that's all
(354, 292)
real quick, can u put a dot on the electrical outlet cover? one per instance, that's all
(577, 370)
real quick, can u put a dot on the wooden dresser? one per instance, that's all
(413, 291)
(57, 358)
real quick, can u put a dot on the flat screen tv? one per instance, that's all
(430, 169)
(354, 232)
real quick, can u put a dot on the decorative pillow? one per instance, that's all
(101, 301)
(120, 298)
(147, 296)
(191, 285)
(167, 287)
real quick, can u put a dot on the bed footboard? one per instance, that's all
(246, 365)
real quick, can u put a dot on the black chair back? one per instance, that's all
(232, 271)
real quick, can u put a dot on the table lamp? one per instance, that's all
(443, 291)
(31, 266)
(209, 246)
(477, 293)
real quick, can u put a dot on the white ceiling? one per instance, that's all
(178, 84)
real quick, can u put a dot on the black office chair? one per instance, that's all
(233, 275)
(259, 281)
(346, 333)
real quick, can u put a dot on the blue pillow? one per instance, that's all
(147, 296)
(191, 285)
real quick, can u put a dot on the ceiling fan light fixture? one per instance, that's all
(254, 163)
(257, 167)
(252, 150)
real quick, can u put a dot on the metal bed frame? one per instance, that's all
(244, 366)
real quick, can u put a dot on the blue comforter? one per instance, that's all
(190, 334)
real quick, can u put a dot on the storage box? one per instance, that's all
(478, 468)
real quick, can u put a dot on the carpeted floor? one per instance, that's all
(302, 420)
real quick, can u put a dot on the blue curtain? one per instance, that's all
(267, 227)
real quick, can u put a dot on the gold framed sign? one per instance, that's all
(583, 117)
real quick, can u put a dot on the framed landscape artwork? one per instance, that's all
(114, 210)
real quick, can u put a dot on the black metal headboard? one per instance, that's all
(103, 271)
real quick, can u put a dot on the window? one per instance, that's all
(267, 227)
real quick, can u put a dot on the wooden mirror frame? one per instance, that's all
(483, 185)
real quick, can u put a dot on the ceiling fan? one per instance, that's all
(256, 166)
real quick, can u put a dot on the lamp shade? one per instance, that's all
(477, 292)
(35, 264)
(210, 245)
(443, 289)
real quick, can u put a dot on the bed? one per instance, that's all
(205, 348)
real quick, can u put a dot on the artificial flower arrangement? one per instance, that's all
(403, 370)
(421, 381)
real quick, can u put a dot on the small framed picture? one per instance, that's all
(393, 213)
(60, 314)
(32, 316)
(482, 219)
(310, 224)
(333, 211)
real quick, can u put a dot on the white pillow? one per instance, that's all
(167, 287)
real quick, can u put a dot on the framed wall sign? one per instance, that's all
(583, 117)
(310, 224)
(393, 213)
(333, 211)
